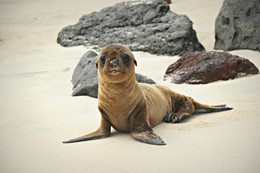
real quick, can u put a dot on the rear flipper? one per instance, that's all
(180, 115)
(208, 109)
(174, 118)
(183, 107)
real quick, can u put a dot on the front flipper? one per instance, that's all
(148, 137)
(102, 132)
(95, 135)
(140, 127)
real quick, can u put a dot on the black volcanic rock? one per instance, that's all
(238, 25)
(147, 26)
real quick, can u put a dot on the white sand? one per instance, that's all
(37, 111)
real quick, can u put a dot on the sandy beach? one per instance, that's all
(37, 111)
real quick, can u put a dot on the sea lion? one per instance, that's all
(136, 108)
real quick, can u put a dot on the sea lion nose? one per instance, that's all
(114, 62)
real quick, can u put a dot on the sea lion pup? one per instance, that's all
(131, 107)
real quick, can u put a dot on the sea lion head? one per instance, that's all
(116, 63)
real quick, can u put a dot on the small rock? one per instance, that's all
(85, 78)
(206, 67)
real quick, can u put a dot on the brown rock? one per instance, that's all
(168, 1)
(206, 67)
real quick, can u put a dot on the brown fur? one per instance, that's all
(135, 108)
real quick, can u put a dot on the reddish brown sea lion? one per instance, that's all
(136, 108)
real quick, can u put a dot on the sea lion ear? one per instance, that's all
(97, 64)
(135, 62)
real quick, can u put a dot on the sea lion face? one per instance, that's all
(115, 63)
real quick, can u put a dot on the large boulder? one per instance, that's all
(85, 79)
(147, 26)
(238, 25)
(206, 67)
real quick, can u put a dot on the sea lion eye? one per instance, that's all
(126, 59)
(103, 59)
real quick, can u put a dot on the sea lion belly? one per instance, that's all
(157, 102)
